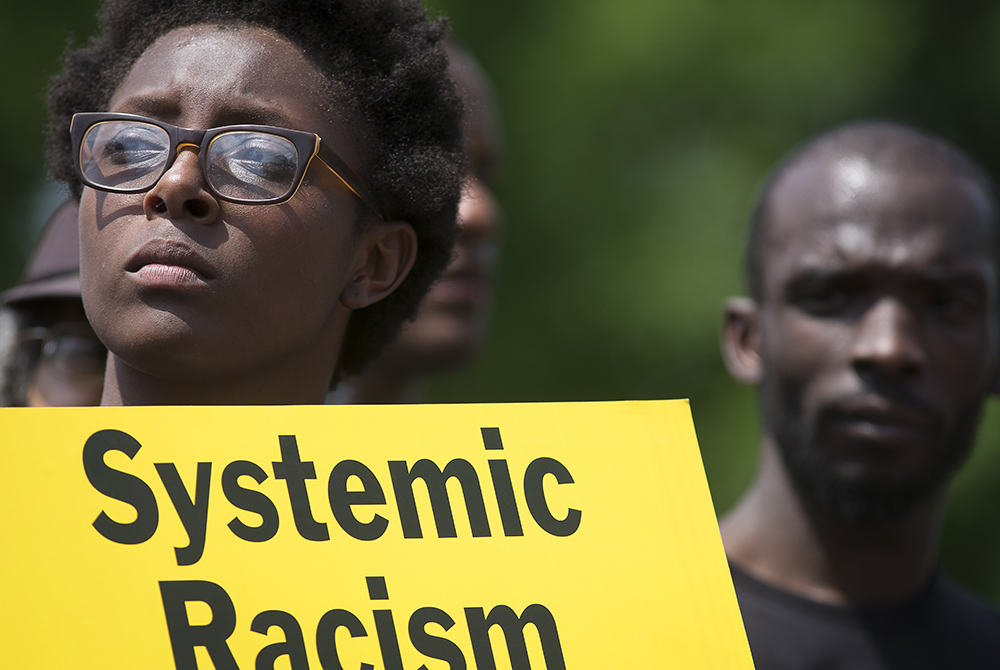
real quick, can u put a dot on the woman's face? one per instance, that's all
(183, 286)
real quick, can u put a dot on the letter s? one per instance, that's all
(121, 486)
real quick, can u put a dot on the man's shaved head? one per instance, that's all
(874, 329)
(861, 149)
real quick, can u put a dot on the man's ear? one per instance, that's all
(385, 256)
(741, 340)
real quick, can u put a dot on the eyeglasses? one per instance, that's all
(72, 349)
(254, 165)
(65, 363)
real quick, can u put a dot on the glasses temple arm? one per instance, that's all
(348, 176)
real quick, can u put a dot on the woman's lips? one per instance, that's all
(164, 263)
(164, 276)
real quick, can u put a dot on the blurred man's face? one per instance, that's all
(454, 315)
(68, 359)
(878, 327)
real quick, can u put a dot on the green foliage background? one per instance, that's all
(637, 133)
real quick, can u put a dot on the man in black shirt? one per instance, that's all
(873, 333)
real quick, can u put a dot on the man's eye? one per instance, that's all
(952, 306)
(821, 302)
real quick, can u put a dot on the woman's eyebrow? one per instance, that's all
(167, 108)
(160, 107)
(252, 115)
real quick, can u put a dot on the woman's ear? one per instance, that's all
(741, 340)
(385, 256)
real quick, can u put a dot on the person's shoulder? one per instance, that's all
(967, 625)
(944, 626)
(768, 605)
(789, 632)
(962, 605)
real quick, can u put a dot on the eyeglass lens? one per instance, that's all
(70, 366)
(74, 355)
(245, 165)
(124, 154)
(251, 165)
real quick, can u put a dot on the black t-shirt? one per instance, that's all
(942, 627)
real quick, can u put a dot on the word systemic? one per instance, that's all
(351, 484)
(356, 497)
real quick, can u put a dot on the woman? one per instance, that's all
(231, 266)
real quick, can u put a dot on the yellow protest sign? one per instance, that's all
(576, 535)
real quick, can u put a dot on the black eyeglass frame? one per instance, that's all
(306, 144)
(43, 336)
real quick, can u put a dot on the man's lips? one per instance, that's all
(460, 288)
(168, 263)
(882, 420)
(467, 282)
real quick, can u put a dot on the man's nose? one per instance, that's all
(887, 340)
(478, 210)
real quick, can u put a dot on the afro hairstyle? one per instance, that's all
(386, 68)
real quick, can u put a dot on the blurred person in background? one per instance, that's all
(872, 331)
(453, 320)
(49, 354)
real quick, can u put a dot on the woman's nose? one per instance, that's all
(181, 193)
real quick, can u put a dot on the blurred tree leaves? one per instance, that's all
(637, 134)
(32, 39)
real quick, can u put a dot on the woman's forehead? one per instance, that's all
(248, 65)
(205, 76)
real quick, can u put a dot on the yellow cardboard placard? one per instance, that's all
(564, 535)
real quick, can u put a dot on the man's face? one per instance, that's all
(68, 359)
(878, 329)
(453, 319)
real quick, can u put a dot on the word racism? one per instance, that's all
(185, 637)
(343, 493)
(351, 485)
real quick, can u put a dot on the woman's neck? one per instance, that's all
(125, 385)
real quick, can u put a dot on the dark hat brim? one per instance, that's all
(59, 286)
